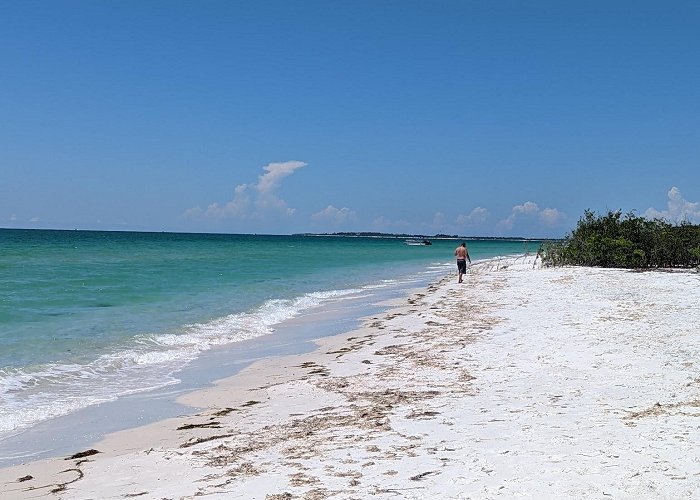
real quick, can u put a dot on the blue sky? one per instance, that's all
(470, 117)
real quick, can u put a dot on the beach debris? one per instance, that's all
(28, 477)
(341, 351)
(318, 494)
(423, 415)
(388, 350)
(209, 425)
(83, 454)
(224, 412)
(435, 323)
(423, 475)
(658, 409)
(301, 479)
(320, 371)
(193, 442)
(246, 469)
(62, 486)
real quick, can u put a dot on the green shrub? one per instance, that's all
(629, 241)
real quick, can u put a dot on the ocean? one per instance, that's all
(88, 317)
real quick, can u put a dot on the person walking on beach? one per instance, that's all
(462, 257)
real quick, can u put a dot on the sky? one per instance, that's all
(476, 118)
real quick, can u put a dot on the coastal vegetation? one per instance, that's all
(438, 236)
(626, 241)
(375, 234)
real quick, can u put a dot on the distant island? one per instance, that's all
(439, 236)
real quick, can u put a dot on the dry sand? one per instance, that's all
(521, 382)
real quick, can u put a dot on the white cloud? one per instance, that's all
(529, 209)
(237, 207)
(34, 219)
(479, 215)
(381, 223)
(13, 217)
(552, 216)
(438, 223)
(256, 200)
(275, 172)
(193, 213)
(335, 215)
(678, 209)
(384, 224)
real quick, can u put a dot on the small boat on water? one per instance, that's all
(417, 242)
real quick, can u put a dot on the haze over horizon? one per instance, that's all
(468, 118)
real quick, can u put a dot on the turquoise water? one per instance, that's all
(86, 317)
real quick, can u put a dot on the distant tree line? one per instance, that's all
(629, 241)
(442, 236)
(392, 235)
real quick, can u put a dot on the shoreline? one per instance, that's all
(566, 382)
(67, 434)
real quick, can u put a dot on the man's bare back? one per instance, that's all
(461, 253)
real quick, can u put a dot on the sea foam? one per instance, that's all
(31, 395)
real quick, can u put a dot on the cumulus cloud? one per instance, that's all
(253, 201)
(552, 216)
(193, 213)
(385, 224)
(238, 207)
(678, 209)
(381, 223)
(479, 215)
(274, 173)
(528, 207)
(530, 210)
(335, 215)
(438, 223)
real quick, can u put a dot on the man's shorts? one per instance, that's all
(462, 265)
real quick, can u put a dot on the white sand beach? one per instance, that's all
(519, 383)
